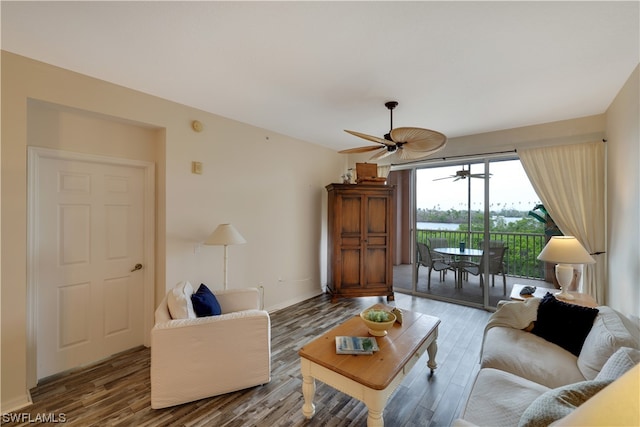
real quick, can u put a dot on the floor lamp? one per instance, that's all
(566, 251)
(225, 235)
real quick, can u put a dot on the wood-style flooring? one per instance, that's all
(116, 391)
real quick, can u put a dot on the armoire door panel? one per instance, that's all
(350, 276)
(351, 241)
(350, 218)
(377, 215)
(376, 240)
(376, 269)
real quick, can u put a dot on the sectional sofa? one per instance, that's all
(543, 360)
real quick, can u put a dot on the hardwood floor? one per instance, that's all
(116, 391)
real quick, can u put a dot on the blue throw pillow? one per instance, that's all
(205, 302)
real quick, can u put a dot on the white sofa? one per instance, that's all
(193, 358)
(523, 376)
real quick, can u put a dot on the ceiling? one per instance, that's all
(312, 69)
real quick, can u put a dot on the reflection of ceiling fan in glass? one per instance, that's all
(407, 143)
(463, 174)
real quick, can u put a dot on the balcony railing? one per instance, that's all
(520, 258)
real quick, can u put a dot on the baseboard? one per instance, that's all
(17, 403)
(293, 301)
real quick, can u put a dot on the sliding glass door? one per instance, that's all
(449, 215)
(482, 205)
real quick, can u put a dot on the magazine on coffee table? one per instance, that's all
(356, 345)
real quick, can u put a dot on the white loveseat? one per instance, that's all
(193, 358)
(524, 376)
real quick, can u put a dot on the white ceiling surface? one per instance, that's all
(312, 69)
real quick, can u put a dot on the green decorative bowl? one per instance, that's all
(378, 328)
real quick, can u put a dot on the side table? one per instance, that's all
(580, 298)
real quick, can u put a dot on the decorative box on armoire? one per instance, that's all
(360, 240)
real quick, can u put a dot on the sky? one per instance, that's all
(509, 188)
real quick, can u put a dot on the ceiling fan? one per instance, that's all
(463, 174)
(408, 143)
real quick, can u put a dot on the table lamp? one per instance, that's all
(565, 251)
(225, 235)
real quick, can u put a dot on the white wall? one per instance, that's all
(269, 185)
(623, 198)
(270, 188)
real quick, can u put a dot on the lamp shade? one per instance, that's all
(565, 250)
(225, 234)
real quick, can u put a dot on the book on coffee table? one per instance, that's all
(356, 345)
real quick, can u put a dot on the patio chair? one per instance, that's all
(493, 244)
(496, 266)
(438, 242)
(425, 259)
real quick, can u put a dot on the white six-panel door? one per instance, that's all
(89, 231)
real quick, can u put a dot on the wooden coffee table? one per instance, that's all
(368, 378)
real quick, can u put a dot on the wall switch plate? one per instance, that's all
(196, 167)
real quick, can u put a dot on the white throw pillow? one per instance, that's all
(622, 361)
(607, 335)
(179, 301)
(559, 402)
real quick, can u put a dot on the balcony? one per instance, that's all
(522, 267)
(520, 258)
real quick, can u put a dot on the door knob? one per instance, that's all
(137, 267)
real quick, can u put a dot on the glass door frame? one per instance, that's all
(484, 160)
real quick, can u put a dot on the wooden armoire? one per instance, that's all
(360, 240)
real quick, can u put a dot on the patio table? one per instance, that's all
(456, 252)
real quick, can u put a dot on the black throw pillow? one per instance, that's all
(205, 302)
(564, 324)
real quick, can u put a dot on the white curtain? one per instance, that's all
(569, 180)
(383, 170)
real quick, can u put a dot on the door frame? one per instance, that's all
(483, 160)
(34, 157)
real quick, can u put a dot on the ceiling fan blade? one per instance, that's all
(478, 175)
(419, 139)
(361, 149)
(405, 152)
(462, 174)
(370, 138)
(381, 154)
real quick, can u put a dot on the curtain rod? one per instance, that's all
(464, 156)
(444, 159)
